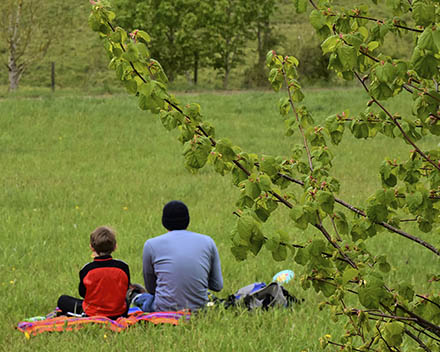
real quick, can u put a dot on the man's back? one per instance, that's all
(179, 267)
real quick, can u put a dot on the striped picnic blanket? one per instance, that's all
(66, 323)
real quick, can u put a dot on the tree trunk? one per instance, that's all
(14, 74)
(196, 67)
(226, 79)
(14, 69)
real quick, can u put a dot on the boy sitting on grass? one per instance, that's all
(103, 282)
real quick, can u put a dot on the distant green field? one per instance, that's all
(71, 163)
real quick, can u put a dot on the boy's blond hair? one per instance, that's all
(103, 240)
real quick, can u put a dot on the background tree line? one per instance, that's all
(215, 43)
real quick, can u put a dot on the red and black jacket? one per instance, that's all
(103, 283)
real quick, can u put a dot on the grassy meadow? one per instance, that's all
(70, 163)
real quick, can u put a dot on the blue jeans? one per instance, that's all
(145, 301)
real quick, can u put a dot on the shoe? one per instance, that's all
(134, 290)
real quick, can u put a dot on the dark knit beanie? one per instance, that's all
(175, 216)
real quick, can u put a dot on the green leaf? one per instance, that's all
(265, 183)
(380, 90)
(424, 64)
(317, 19)
(245, 227)
(414, 200)
(238, 176)
(377, 212)
(301, 257)
(424, 225)
(196, 153)
(284, 106)
(384, 266)
(347, 56)
(269, 56)
(359, 129)
(349, 274)
(131, 53)
(245, 202)
(423, 13)
(280, 254)
(297, 215)
(224, 147)
(388, 178)
(239, 252)
(373, 45)
(94, 22)
(327, 289)
(116, 36)
(269, 165)
(146, 88)
(326, 200)
(316, 248)
(168, 119)
(406, 291)
(357, 233)
(386, 72)
(252, 189)
(341, 223)
(256, 241)
(263, 214)
(143, 37)
(426, 40)
(330, 44)
(131, 86)
(192, 111)
(372, 293)
(393, 333)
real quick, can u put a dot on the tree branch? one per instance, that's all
(383, 224)
(375, 20)
(405, 136)
(420, 321)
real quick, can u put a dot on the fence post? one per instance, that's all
(53, 76)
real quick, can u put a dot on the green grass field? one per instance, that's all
(71, 163)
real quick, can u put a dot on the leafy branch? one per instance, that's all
(333, 269)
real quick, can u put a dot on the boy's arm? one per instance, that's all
(82, 287)
(215, 281)
(148, 269)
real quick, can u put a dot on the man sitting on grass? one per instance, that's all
(103, 282)
(178, 267)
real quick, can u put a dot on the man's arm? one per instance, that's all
(215, 281)
(148, 269)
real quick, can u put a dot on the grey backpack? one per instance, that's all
(260, 295)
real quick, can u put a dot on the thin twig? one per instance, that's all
(386, 343)
(336, 230)
(309, 156)
(428, 300)
(424, 92)
(415, 338)
(359, 332)
(343, 346)
(335, 245)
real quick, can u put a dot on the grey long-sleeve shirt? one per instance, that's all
(179, 267)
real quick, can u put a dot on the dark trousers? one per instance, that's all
(70, 305)
(73, 306)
